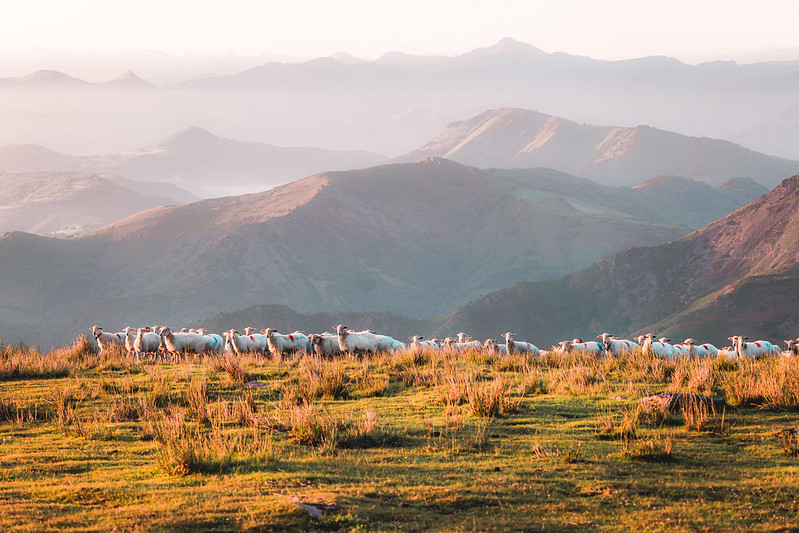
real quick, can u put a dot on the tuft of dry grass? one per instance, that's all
(656, 449)
(490, 398)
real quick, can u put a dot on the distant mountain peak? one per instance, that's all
(507, 47)
(192, 136)
(346, 58)
(50, 76)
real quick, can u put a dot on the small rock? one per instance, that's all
(255, 385)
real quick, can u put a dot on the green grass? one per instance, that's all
(394, 442)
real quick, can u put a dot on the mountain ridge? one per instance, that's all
(519, 138)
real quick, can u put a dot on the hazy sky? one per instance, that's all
(691, 30)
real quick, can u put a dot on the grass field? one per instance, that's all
(406, 441)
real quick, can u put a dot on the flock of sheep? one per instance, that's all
(159, 342)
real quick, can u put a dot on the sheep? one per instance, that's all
(387, 343)
(214, 343)
(130, 337)
(418, 342)
(177, 344)
(280, 343)
(578, 346)
(353, 342)
(512, 346)
(108, 341)
(752, 349)
(700, 350)
(325, 344)
(146, 342)
(793, 348)
(242, 344)
(492, 346)
(658, 348)
(615, 346)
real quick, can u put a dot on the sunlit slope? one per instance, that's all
(518, 138)
(735, 274)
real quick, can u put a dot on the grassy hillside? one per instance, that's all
(405, 441)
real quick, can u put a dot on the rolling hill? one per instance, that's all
(62, 205)
(517, 138)
(194, 159)
(418, 239)
(737, 275)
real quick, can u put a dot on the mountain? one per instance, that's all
(417, 239)
(392, 105)
(194, 159)
(736, 275)
(62, 205)
(26, 158)
(517, 138)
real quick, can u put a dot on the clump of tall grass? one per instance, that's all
(160, 388)
(646, 367)
(231, 366)
(369, 384)
(700, 415)
(490, 398)
(25, 362)
(318, 380)
(694, 376)
(197, 400)
(769, 383)
(413, 368)
(656, 449)
(185, 449)
(578, 380)
(63, 401)
(623, 427)
(456, 438)
(20, 412)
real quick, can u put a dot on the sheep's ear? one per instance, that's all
(746, 338)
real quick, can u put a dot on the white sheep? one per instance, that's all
(387, 343)
(418, 342)
(752, 349)
(657, 348)
(289, 343)
(214, 343)
(492, 346)
(146, 342)
(325, 344)
(617, 347)
(700, 350)
(578, 346)
(243, 344)
(353, 342)
(792, 348)
(108, 341)
(512, 346)
(181, 343)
